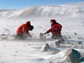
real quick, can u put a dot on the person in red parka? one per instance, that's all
(23, 30)
(55, 29)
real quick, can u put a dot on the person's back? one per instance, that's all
(24, 28)
(19, 30)
(56, 30)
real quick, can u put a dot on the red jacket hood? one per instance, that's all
(28, 23)
(54, 21)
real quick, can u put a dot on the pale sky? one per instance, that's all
(18, 4)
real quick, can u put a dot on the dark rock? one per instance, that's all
(79, 42)
(73, 55)
(82, 59)
(75, 33)
(46, 47)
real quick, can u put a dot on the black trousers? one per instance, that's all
(56, 37)
(20, 36)
(60, 38)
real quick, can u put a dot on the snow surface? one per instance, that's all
(70, 16)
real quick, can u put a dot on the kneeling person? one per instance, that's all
(23, 31)
(55, 30)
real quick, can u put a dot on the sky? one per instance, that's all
(19, 4)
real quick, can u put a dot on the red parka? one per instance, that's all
(55, 28)
(24, 28)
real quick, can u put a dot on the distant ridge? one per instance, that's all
(45, 11)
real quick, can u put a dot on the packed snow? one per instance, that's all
(70, 16)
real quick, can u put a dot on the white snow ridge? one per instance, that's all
(70, 16)
(61, 10)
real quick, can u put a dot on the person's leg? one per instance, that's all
(29, 35)
(24, 37)
(54, 37)
(61, 39)
(19, 36)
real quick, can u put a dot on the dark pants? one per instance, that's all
(56, 37)
(60, 38)
(20, 36)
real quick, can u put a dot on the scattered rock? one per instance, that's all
(42, 36)
(57, 44)
(78, 43)
(82, 59)
(73, 55)
(4, 36)
(16, 52)
(45, 47)
(61, 40)
(51, 62)
(75, 33)
(65, 37)
(80, 38)
(7, 30)
(81, 46)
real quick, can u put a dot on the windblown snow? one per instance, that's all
(70, 16)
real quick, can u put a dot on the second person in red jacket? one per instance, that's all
(55, 29)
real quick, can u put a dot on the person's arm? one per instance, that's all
(48, 31)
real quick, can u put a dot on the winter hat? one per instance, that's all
(54, 21)
(32, 27)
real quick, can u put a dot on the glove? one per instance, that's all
(44, 33)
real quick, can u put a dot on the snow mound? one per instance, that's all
(55, 58)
